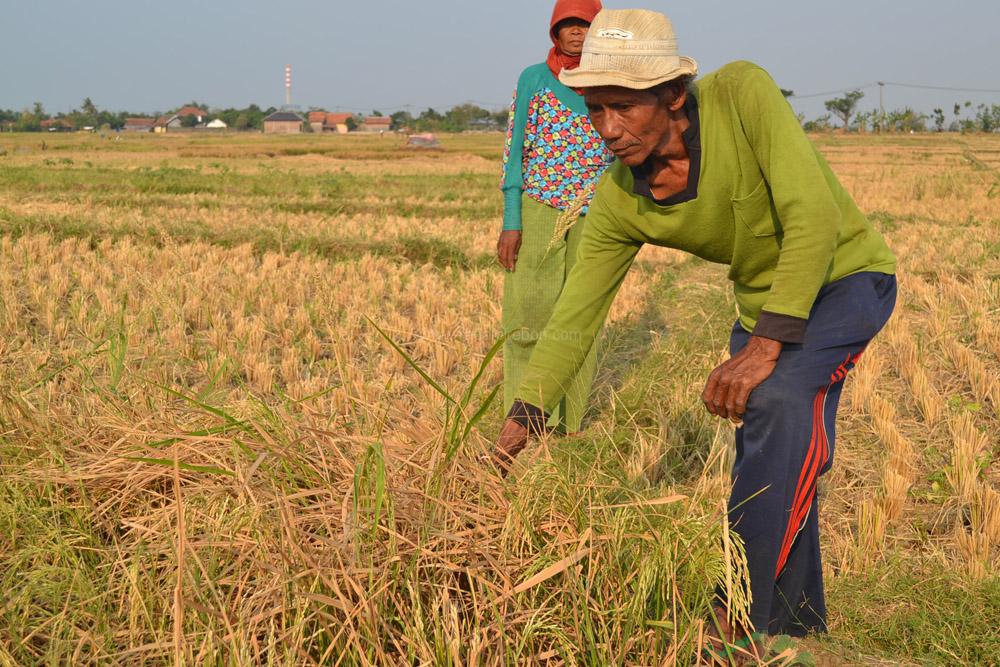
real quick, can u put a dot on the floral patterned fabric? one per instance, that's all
(560, 152)
(563, 153)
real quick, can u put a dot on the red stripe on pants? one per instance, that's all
(816, 458)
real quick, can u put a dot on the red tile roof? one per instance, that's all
(56, 122)
(327, 118)
(378, 120)
(191, 111)
(140, 122)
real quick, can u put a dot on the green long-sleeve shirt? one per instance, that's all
(767, 204)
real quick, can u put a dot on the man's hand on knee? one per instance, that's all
(729, 386)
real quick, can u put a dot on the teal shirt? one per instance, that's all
(768, 206)
(552, 152)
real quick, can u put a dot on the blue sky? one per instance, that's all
(357, 55)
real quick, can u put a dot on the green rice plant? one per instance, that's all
(117, 345)
(372, 500)
(458, 422)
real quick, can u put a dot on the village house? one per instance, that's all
(199, 114)
(324, 121)
(139, 125)
(56, 125)
(283, 122)
(316, 119)
(175, 121)
(337, 122)
(376, 124)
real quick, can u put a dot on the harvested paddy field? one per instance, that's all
(246, 385)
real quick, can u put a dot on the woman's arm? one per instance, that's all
(512, 182)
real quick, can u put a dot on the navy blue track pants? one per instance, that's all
(786, 443)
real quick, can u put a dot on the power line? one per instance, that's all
(795, 96)
(834, 92)
(417, 107)
(949, 88)
(898, 85)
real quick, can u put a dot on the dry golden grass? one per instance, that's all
(936, 359)
(212, 457)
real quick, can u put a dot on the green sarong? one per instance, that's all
(529, 297)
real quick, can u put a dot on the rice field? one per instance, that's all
(246, 386)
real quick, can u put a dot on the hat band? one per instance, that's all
(646, 47)
(608, 61)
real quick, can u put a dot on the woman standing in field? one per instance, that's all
(552, 159)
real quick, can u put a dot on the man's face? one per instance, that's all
(633, 123)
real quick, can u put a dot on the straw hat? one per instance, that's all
(632, 48)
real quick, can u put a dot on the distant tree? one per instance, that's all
(190, 120)
(905, 120)
(821, 124)
(429, 120)
(844, 106)
(939, 119)
(352, 123)
(400, 120)
(27, 121)
(377, 113)
(257, 115)
(86, 116)
(112, 120)
(464, 117)
(866, 120)
(988, 118)
(242, 122)
(228, 116)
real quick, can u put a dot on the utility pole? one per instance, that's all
(881, 105)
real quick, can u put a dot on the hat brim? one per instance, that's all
(581, 78)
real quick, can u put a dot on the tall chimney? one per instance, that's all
(288, 85)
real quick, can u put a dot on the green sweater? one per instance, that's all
(768, 205)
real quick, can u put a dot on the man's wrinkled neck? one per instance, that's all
(672, 147)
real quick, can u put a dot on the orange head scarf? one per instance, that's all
(584, 10)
